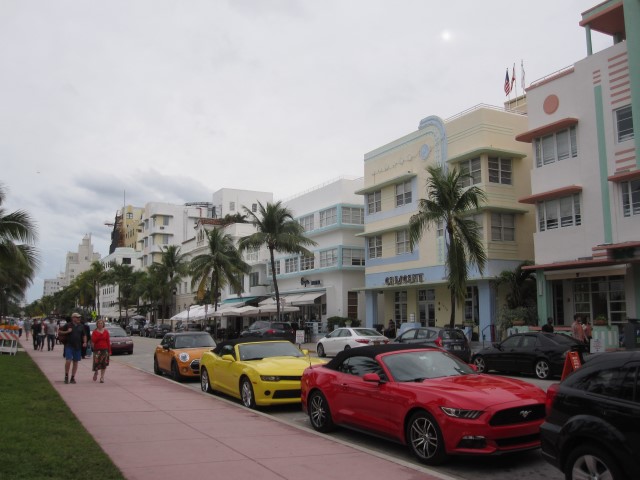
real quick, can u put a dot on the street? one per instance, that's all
(523, 466)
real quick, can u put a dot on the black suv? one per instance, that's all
(160, 329)
(264, 329)
(592, 428)
(135, 326)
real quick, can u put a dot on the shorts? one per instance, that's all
(71, 353)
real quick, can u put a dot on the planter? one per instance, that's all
(518, 323)
(600, 322)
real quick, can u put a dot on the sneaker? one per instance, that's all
(73, 380)
(66, 379)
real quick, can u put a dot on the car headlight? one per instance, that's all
(269, 378)
(461, 413)
(183, 357)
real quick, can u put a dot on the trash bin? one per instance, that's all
(632, 334)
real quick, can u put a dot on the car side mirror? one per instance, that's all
(166, 347)
(228, 358)
(372, 377)
(497, 345)
(473, 367)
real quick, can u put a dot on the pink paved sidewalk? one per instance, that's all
(154, 428)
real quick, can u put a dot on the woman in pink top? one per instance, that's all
(101, 350)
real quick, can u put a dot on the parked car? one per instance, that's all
(160, 330)
(425, 398)
(179, 354)
(593, 419)
(265, 329)
(120, 341)
(453, 340)
(188, 327)
(535, 352)
(258, 372)
(344, 338)
(135, 326)
(147, 329)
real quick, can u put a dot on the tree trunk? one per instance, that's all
(275, 283)
(452, 320)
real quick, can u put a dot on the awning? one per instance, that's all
(306, 298)
(237, 302)
(288, 298)
(546, 129)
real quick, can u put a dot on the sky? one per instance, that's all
(136, 101)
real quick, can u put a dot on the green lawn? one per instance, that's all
(39, 436)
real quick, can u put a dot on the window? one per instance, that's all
(503, 227)
(555, 147)
(329, 258)
(352, 305)
(624, 123)
(400, 306)
(328, 217)
(403, 193)
(251, 254)
(165, 239)
(631, 197)
(440, 228)
(129, 215)
(479, 221)
(254, 279)
(595, 296)
(291, 265)
(375, 247)
(126, 261)
(353, 257)
(307, 262)
(232, 206)
(277, 265)
(471, 172)
(560, 212)
(353, 215)
(165, 221)
(307, 223)
(254, 207)
(500, 170)
(374, 202)
(402, 242)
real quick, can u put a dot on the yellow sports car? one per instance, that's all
(257, 372)
(179, 354)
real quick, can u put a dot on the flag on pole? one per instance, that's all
(522, 74)
(513, 78)
(507, 83)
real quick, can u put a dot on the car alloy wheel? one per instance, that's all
(246, 393)
(480, 364)
(425, 439)
(205, 384)
(543, 370)
(156, 368)
(591, 461)
(319, 413)
(321, 351)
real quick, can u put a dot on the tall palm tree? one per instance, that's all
(19, 259)
(96, 276)
(122, 276)
(279, 232)
(175, 265)
(450, 203)
(218, 267)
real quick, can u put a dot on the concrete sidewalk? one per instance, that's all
(154, 428)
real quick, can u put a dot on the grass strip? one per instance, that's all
(41, 438)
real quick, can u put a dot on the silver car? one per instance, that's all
(345, 338)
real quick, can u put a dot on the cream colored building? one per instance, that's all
(412, 283)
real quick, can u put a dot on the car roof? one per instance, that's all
(185, 334)
(370, 351)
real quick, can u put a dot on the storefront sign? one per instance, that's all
(402, 279)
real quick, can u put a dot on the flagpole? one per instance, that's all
(515, 84)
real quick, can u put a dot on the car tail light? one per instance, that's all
(271, 332)
(438, 342)
(552, 393)
(362, 340)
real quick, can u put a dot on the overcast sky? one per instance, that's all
(171, 100)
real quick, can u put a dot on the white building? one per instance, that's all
(109, 307)
(80, 261)
(53, 285)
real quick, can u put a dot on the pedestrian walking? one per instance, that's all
(34, 332)
(52, 332)
(588, 331)
(101, 350)
(20, 327)
(75, 339)
(42, 334)
(577, 331)
(27, 328)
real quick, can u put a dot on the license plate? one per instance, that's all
(376, 342)
(457, 347)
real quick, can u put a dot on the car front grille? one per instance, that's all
(195, 366)
(515, 441)
(290, 378)
(286, 394)
(512, 416)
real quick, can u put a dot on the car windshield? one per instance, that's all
(453, 335)
(366, 332)
(258, 351)
(418, 366)
(116, 332)
(562, 339)
(194, 341)
(258, 325)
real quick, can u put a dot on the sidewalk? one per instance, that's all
(154, 428)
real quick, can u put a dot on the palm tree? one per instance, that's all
(18, 256)
(218, 267)
(96, 276)
(450, 203)
(175, 265)
(275, 228)
(121, 275)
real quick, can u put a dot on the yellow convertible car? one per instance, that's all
(259, 373)
(179, 354)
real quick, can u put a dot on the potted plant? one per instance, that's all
(600, 320)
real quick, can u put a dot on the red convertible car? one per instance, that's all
(424, 398)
